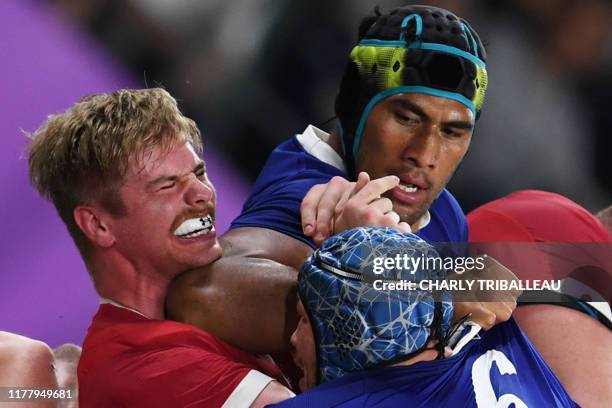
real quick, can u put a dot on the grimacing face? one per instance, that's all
(419, 138)
(170, 203)
(304, 350)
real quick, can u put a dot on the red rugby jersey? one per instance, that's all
(131, 361)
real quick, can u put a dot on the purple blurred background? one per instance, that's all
(47, 65)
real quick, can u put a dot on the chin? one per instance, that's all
(210, 255)
(202, 257)
(413, 215)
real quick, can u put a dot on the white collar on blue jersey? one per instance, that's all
(316, 142)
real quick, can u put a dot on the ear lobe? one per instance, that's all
(91, 221)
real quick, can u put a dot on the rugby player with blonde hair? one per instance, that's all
(124, 174)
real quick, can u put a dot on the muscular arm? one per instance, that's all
(247, 297)
(576, 347)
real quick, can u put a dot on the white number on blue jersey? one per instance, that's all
(481, 380)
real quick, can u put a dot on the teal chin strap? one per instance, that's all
(402, 89)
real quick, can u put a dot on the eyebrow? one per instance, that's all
(404, 104)
(200, 165)
(458, 124)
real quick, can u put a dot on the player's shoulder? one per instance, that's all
(23, 354)
(289, 162)
(447, 222)
(447, 205)
(134, 349)
(115, 330)
(275, 199)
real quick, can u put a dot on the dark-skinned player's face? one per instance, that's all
(419, 138)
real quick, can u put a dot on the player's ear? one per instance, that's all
(93, 222)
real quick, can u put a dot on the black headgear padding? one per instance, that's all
(439, 26)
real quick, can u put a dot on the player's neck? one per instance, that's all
(334, 142)
(137, 288)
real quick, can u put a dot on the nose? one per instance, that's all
(423, 148)
(199, 193)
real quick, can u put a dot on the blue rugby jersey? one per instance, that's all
(498, 369)
(274, 202)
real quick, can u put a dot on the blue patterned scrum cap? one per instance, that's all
(357, 327)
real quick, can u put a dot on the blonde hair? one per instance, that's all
(81, 156)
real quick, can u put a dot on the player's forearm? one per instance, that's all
(245, 301)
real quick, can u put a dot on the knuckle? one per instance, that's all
(387, 221)
(370, 216)
(322, 229)
(491, 318)
(392, 217)
(488, 321)
(321, 222)
(350, 207)
(338, 181)
(316, 188)
(505, 316)
(305, 205)
(311, 197)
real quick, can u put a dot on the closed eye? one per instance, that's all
(453, 134)
(405, 119)
(168, 186)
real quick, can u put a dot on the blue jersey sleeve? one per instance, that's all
(276, 197)
(278, 208)
(447, 225)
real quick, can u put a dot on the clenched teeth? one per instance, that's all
(194, 227)
(409, 188)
